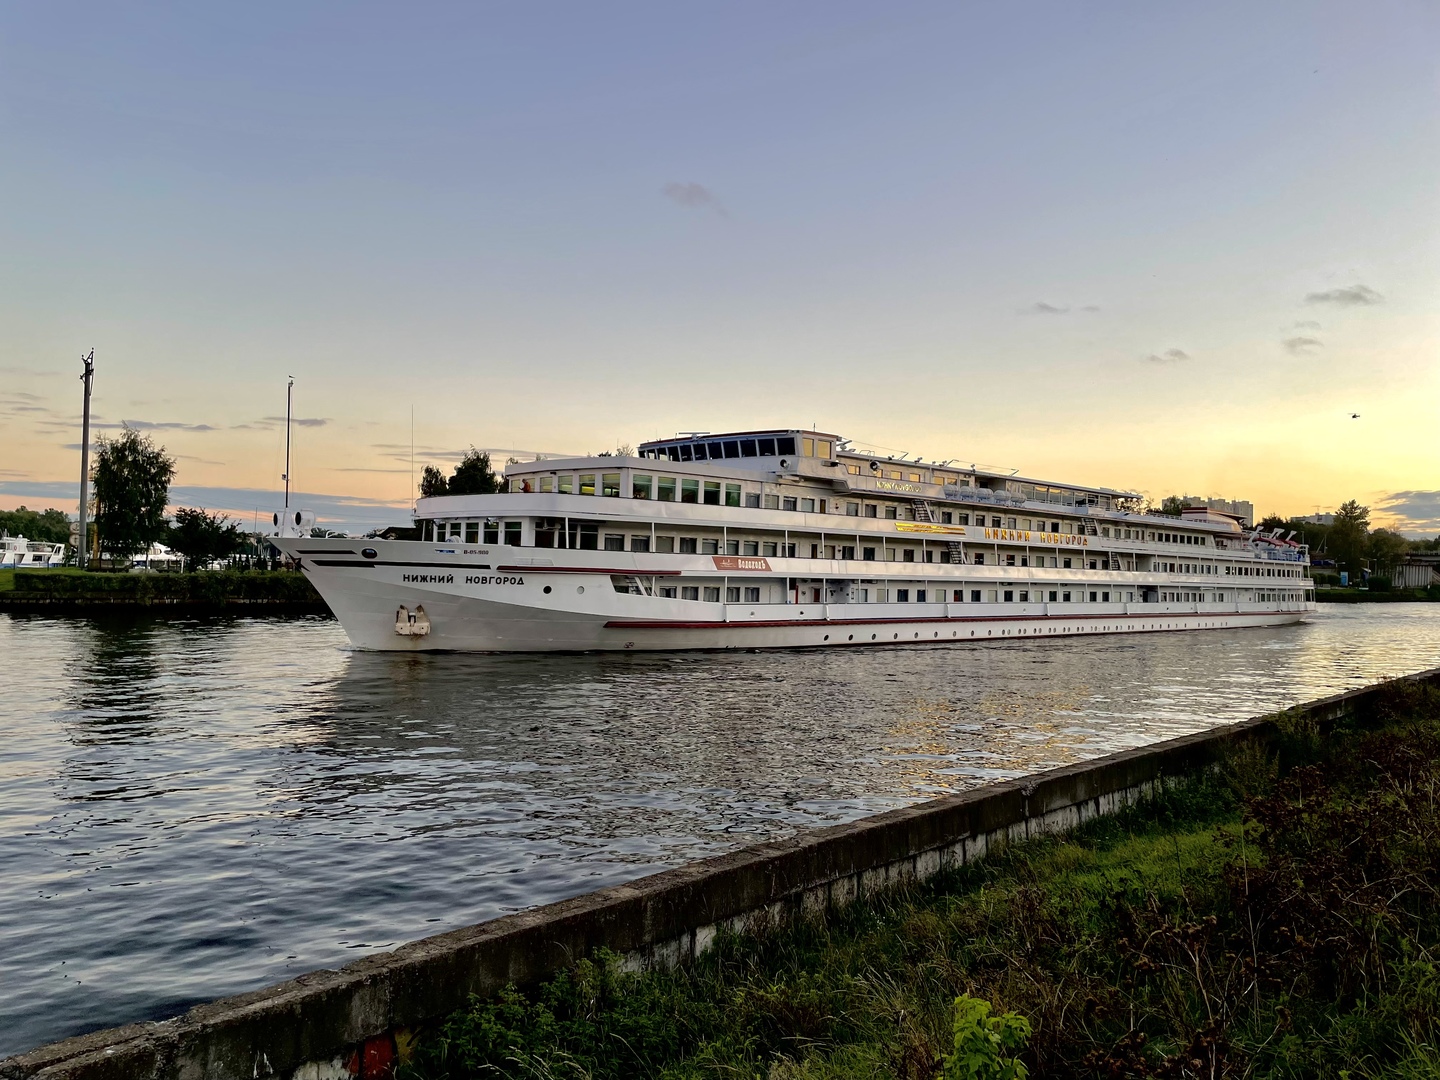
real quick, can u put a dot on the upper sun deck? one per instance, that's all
(800, 454)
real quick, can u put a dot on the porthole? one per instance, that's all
(547, 589)
(872, 637)
(827, 637)
(850, 638)
(580, 589)
(370, 553)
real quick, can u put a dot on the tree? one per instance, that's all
(1387, 550)
(1274, 521)
(433, 483)
(131, 480)
(202, 538)
(1170, 506)
(49, 526)
(1349, 535)
(473, 476)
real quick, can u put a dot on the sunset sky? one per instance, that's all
(1167, 248)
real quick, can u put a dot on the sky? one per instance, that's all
(1158, 247)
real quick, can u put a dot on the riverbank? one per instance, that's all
(1386, 596)
(68, 591)
(1278, 916)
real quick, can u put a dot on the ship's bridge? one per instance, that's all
(703, 446)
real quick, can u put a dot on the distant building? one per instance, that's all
(1243, 511)
(1316, 519)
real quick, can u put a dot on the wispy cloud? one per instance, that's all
(153, 425)
(1299, 345)
(1091, 307)
(1305, 324)
(693, 196)
(269, 423)
(1169, 356)
(1040, 307)
(1347, 296)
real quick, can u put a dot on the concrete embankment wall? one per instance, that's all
(332, 1024)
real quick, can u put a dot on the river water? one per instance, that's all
(195, 807)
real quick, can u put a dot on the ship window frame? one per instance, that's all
(766, 447)
(689, 545)
(640, 543)
(785, 446)
(664, 484)
(711, 488)
(610, 485)
(732, 494)
(690, 490)
(641, 485)
(581, 485)
(748, 448)
(614, 542)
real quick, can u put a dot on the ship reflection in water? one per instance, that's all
(192, 808)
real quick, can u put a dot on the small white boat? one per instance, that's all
(17, 553)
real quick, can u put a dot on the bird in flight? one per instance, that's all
(1354, 416)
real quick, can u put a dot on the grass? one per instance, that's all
(1276, 919)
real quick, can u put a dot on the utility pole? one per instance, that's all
(289, 394)
(88, 378)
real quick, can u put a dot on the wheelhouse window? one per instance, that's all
(610, 485)
(565, 485)
(747, 448)
(767, 447)
(640, 486)
(785, 446)
(587, 484)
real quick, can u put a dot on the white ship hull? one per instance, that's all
(514, 607)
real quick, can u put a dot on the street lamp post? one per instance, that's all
(88, 378)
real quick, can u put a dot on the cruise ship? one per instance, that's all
(791, 539)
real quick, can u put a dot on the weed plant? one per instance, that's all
(1277, 917)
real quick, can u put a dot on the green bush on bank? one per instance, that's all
(206, 587)
(1278, 918)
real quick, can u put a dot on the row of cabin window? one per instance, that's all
(922, 596)
(1263, 571)
(721, 449)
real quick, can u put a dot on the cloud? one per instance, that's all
(269, 423)
(1169, 356)
(336, 511)
(152, 425)
(1042, 308)
(1305, 324)
(1298, 345)
(1413, 512)
(1091, 307)
(1348, 296)
(693, 196)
